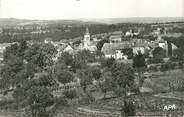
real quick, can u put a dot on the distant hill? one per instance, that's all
(138, 20)
(14, 22)
(79, 22)
(11, 21)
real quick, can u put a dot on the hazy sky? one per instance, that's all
(70, 9)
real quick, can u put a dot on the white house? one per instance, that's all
(138, 49)
(69, 49)
(48, 40)
(128, 34)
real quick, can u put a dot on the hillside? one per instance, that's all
(13, 22)
(78, 22)
(138, 20)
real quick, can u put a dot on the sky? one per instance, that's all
(74, 9)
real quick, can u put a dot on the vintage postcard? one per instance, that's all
(91, 58)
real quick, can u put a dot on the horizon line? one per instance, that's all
(89, 18)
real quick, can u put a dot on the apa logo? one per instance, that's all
(170, 107)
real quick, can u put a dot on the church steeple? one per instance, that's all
(87, 31)
(87, 38)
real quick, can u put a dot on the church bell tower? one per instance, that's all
(87, 38)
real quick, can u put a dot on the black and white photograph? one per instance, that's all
(91, 58)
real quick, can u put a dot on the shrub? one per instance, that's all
(129, 108)
(168, 66)
(153, 68)
(107, 62)
(70, 94)
(5, 102)
(155, 61)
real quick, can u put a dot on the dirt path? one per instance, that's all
(95, 112)
(86, 111)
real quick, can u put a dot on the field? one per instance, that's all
(10, 114)
(166, 81)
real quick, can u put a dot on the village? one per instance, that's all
(91, 58)
(117, 45)
(131, 72)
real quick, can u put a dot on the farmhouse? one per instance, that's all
(69, 49)
(48, 40)
(115, 38)
(137, 49)
(169, 47)
(114, 50)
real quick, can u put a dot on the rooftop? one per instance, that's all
(110, 48)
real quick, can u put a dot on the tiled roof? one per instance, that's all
(110, 48)
(115, 36)
(91, 48)
(116, 32)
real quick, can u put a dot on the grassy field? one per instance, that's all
(145, 104)
(166, 81)
(11, 113)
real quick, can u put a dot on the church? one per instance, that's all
(87, 43)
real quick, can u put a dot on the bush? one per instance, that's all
(70, 94)
(155, 61)
(107, 62)
(139, 60)
(153, 68)
(5, 102)
(168, 66)
(129, 108)
(174, 59)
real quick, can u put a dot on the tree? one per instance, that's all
(66, 58)
(59, 67)
(85, 56)
(64, 76)
(10, 52)
(77, 64)
(96, 72)
(34, 95)
(107, 62)
(9, 72)
(101, 43)
(41, 55)
(86, 79)
(128, 52)
(70, 94)
(46, 80)
(139, 60)
(39, 100)
(81, 59)
(159, 53)
(140, 66)
(129, 108)
(123, 75)
(15, 50)
(107, 82)
(23, 46)
(18, 72)
(98, 54)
